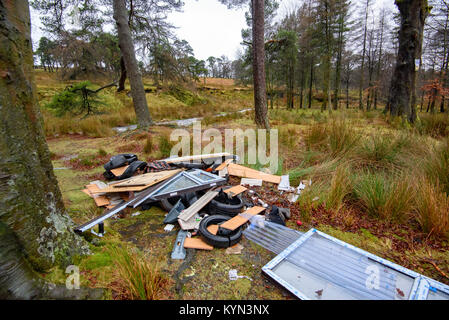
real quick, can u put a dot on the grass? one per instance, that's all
(137, 278)
(389, 198)
(339, 189)
(436, 165)
(432, 209)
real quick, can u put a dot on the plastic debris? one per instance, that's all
(233, 275)
(169, 227)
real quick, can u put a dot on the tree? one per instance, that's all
(36, 233)
(402, 97)
(258, 57)
(260, 96)
(363, 55)
(129, 57)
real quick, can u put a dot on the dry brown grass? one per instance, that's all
(136, 277)
(432, 209)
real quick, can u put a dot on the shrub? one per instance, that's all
(76, 99)
(432, 209)
(138, 279)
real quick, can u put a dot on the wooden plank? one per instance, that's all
(213, 228)
(119, 171)
(224, 165)
(93, 188)
(197, 157)
(235, 190)
(242, 218)
(101, 201)
(111, 189)
(196, 243)
(244, 172)
(188, 213)
(147, 179)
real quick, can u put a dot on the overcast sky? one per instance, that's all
(209, 26)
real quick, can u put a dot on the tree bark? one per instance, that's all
(402, 96)
(260, 98)
(121, 82)
(129, 56)
(30, 200)
(362, 69)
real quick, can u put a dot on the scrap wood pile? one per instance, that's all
(196, 193)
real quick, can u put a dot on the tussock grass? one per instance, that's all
(432, 209)
(340, 188)
(137, 278)
(389, 198)
(343, 138)
(436, 165)
(434, 125)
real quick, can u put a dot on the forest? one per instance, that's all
(353, 94)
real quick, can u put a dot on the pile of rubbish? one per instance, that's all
(202, 196)
(196, 194)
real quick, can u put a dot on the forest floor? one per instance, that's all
(342, 153)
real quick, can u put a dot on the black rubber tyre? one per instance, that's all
(217, 206)
(219, 241)
(187, 199)
(169, 203)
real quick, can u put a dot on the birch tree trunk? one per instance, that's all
(129, 56)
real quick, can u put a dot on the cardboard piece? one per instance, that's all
(244, 172)
(119, 171)
(235, 190)
(242, 218)
(196, 243)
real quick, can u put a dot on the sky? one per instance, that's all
(209, 26)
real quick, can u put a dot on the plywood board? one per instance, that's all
(147, 179)
(235, 190)
(111, 189)
(242, 218)
(196, 243)
(93, 188)
(223, 165)
(244, 172)
(119, 171)
(188, 213)
(213, 228)
(101, 201)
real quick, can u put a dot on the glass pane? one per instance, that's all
(180, 183)
(202, 176)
